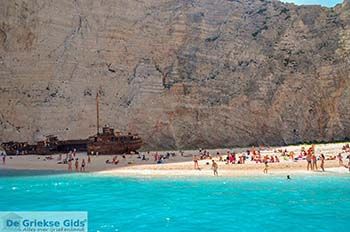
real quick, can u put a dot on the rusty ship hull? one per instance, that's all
(113, 148)
(107, 143)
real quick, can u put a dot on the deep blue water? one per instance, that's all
(314, 203)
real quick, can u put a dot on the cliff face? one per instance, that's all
(181, 73)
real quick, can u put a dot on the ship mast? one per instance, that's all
(97, 114)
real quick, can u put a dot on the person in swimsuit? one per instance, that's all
(89, 159)
(69, 165)
(215, 168)
(82, 168)
(195, 162)
(314, 162)
(76, 165)
(308, 159)
(322, 162)
(266, 169)
(340, 158)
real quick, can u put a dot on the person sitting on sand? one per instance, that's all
(76, 165)
(215, 167)
(220, 158)
(115, 160)
(266, 169)
(195, 162)
(277, 160)
(323, 158)
(160, 159)
(241, 159)
(291, 155)
(82, 168)
(265, 159)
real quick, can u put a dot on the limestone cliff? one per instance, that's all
(181, 73)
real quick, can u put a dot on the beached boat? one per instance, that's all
(50, 145)
(109, 142)
(18, 148)
(53, 145)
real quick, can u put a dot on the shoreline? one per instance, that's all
(181, 174)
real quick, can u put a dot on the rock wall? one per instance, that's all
(181, 73)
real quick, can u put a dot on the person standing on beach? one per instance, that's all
(82, 168)
(314, 162)
(266, 169)
(3, 159)
(89, 159)
(76, 165)
(308, 159)
(215, 168)
(322, 162)
(195, 162)
(69, 165)
(340, 158)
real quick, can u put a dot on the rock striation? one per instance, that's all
(181, 73)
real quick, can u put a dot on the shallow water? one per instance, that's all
(314, 203)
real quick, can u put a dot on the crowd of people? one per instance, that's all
(315, 162)
(256, 155)
(70, 158)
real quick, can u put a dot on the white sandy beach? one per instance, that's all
(179, 165)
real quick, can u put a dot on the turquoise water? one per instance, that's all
(314, 203)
